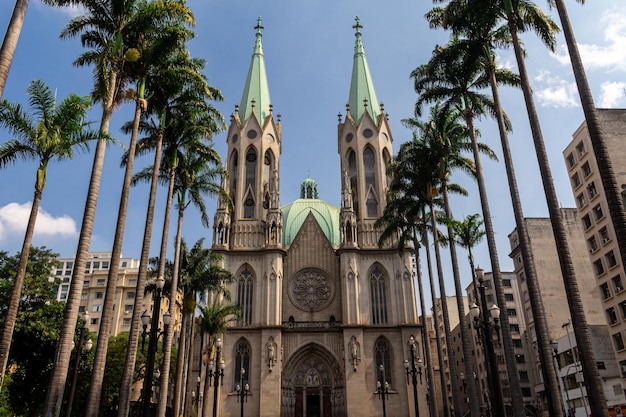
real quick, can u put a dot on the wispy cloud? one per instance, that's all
(14, 218)
(611, 94)
(71, 11)
(553, 91)
(611, 54)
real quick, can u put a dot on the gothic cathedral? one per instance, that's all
(325, 311)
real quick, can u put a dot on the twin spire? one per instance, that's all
(256, 94)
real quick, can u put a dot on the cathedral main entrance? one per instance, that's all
(313, 384)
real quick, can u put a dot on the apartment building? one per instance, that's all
(599, 235)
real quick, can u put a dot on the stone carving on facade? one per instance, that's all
(355, 352)
(271, 353)
(351, 272)
(310, 290)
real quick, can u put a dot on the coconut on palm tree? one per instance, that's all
(51, 131)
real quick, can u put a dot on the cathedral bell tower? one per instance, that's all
(254, 145)
(364, 143)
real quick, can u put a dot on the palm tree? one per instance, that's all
(9, 44)
(457, 83)
(52, 131)
(514, 12)
(154, 46)
(477, 41)
(104, 28)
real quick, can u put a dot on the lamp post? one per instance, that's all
(242, 390)
(382, 388)
(152, 344)
(195, 395)
(215, 373)
(88, 345)
(489, 326)
(413, 372)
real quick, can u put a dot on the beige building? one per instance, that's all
(550, 282)
(323, 307)
(599, 235)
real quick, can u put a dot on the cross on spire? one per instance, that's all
(357, 25)
(259, 27)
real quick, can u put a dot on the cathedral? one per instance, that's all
(326, 314)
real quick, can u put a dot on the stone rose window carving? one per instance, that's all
(311, 290)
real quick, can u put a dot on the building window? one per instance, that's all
(514, 328)
(508, 297)
(352, 171)
(606, 293)
(99, 294)
(245, 287)
(618, 341)
(130, 294)
(593, 245)
(124, 264)
(84, 296)
(101, 281)
(610, 259)
(85, 284)
(128, 308)
(242, 360)
(586, 169)
(581, 200)
(571, 161)
(369, 166)
(383, 357)
(617, 283)
(599, 267)
(586, 221)
(523, 376)
(126, 321)
(597, 212)
(105, 264)
(96, 265)
(378, 293)
(576, 180)
(81, 309)
(511, 312)
(520, 358)
(622, 307)
(591, 189)
(604, 235)
(580, 148)
(517, 343)
(95, 321)
(611, 315)
(96, 308)
(506, 283)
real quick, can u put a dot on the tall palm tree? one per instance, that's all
(153, 47)
(9, 44)
(477, 40)
(403, 221)
(457, 83)
(103, 28)
(50, 132)
(467, 234)
(514, 12)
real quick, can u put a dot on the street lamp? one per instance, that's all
(413, 372)
(217, 374)
(489, 326)
(382, 388)
(88, 345)
(155, 332)
(242, 390)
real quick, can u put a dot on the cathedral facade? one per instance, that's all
(326, 313)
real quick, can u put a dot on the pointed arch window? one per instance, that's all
(378, 292)
(268, 166)
(234, 174)
(250, 189)
(369, 166)
(386, 161)
(242, 361)
(382, 356)
(245, 286)
(352, 172)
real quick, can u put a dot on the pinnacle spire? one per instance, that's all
(256, 93)
(362, 94)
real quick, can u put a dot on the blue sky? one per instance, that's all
(308, 46)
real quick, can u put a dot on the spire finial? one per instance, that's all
(259, 27)
(357, 26)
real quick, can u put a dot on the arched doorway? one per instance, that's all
(313, 384)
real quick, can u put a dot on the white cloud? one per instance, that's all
(611, 94)
(611, 55)
(70, 11)
(553, 91)
(14, 218)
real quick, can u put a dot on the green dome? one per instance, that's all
(295, 214)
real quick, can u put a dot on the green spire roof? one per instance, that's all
(256, 88)
(361, 86)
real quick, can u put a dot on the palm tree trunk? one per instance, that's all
(441, 359)
(550, 377)
(454, 381)
(133, 337)
(9, 44)
(465, 340)
(100, 357)
(596, 134)
(179, 386)
(169, 335)
(18, 284)
(54, 395)
(597, 401)
(509, 350)
(430, 372)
